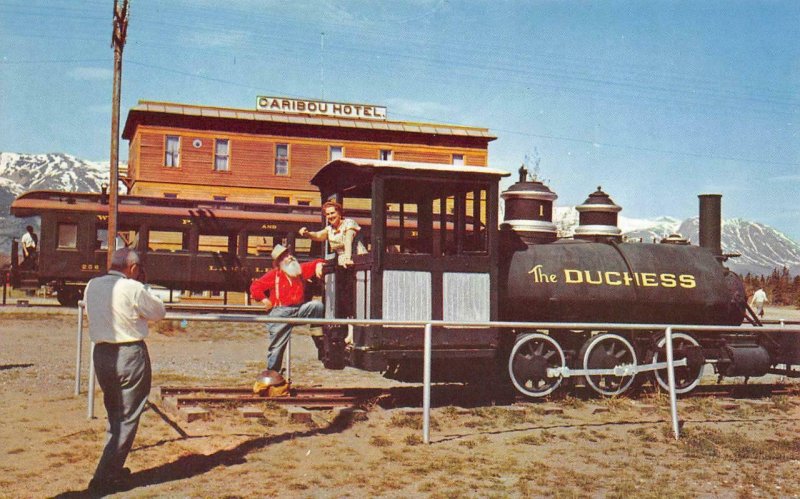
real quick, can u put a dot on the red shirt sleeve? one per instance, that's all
(262, 287)
(308, 268)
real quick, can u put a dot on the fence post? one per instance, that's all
(80, 344)
(673, 401)
(288, 357)
(426, 387)
(90, 409)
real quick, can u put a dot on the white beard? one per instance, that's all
(292, 268)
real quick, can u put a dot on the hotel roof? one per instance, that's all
(138, 113)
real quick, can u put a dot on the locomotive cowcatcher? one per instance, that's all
(438, 252)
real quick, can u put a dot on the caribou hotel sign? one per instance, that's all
(320, 108)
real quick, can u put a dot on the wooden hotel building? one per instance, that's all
(269, 154)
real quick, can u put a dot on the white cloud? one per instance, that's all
(415, 109)
(785, 178)
(86, 73)
(216, 39)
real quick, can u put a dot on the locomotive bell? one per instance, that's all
(597, 218)
(529, 209)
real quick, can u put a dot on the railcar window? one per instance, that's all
(211, 243)
(67, 236)
(259, 245)
(167, 240)
(302, 246)
(126, 238)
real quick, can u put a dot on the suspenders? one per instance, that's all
(278, 291)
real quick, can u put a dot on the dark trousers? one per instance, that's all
(123, 372)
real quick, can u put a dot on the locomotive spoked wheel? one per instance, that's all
(530, 358)
(686, 378)
(607, 351)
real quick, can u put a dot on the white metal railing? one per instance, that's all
(428, 326)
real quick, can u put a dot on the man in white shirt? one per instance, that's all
(758, 300)
(29, 242)
(119, 306)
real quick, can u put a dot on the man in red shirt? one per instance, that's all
(281, 290)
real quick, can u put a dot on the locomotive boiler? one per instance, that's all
(595, 277)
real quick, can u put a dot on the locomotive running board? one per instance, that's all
(623, 370)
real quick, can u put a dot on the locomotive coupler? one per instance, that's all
(622, 370)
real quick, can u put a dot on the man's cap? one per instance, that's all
(278, 251)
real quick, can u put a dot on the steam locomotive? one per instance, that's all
(468, 271)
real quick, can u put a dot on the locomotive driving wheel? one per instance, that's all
(530, 358)
(686, 377)
(607, 351)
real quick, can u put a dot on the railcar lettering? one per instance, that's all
(186, 221)
(102, 218)
(615, 278)
(90, 267)
(222, 268)
(269, 226)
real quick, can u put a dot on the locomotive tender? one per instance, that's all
(520, 271)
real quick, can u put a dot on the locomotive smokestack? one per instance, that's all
(529, 210)
(711, 223)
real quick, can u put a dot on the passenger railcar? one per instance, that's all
(186, 244)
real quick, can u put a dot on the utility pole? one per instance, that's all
(117, 43)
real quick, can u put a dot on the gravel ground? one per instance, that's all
(570, 447)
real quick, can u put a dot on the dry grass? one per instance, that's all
(736, 446)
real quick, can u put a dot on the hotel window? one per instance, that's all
(172, 151)
(336, 152)
(386, 155)
(281, 199)
(458, 159)
(171, 195)
(303, 202)
(220, 198)
(281, 159)
(221, 155)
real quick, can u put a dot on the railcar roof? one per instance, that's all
(35, 202)
(345, 172)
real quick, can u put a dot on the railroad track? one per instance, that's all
(177, 398)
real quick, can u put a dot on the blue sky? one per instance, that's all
(656, 101)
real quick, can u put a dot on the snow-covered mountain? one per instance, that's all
(28, 172)
(763, 248)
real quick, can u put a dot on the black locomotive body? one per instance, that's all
(583, 281)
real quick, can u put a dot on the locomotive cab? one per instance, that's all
(432, 255)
